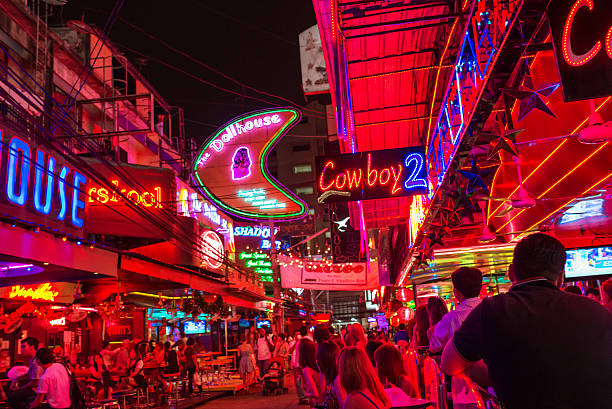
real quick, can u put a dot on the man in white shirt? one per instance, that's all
(467, 282)
(264, 352)
(54, 384)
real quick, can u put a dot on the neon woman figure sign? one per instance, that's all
(231, 168)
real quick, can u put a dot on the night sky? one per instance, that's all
(256, 42)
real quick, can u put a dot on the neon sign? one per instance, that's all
(240, 149)
(146, 199)
(260, 263)
(578, 28)
(58, 322)
(372, 175)
(254, 231)
(418, 210)
(48, 177)
(190, 205)
(213, 251)
(42, 292)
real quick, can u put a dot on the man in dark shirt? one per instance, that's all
(402, 334)
(543, 347)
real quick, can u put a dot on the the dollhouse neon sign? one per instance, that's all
(42, 292)
(231, 169)
(569, 56)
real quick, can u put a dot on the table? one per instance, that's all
(410, 403)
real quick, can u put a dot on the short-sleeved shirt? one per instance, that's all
(263, 349)
(55, 384)
(544, 348)
(401, 335)
(189, 353)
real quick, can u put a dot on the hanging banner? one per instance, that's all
(582, 38)
(314, 74)
(231, 168)
(346, 240)
(372, 175)
(323, 275)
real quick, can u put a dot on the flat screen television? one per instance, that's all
(263, 323)
(244, 323)
(195, 327)
(592, 263)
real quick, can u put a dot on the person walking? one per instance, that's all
(246, 367)
(264, 352)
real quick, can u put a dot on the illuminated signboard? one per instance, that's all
(58, 322)
(213, 250)
(260, 263)
(36, 186)
(582, 39)
(372, 175)
(102, 195)
(254, 231)
(41, 292)
(121, 200)
(231, 167)
(488, 30)
(418, 210)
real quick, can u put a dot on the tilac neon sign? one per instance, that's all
(25, 166)
(42, 292)
(231, 168)
(372, 175)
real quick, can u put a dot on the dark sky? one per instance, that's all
(255, 42)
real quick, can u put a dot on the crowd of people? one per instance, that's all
(45, 381)
(532, 347)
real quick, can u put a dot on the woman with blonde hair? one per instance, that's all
(355, 336)
(360, 382)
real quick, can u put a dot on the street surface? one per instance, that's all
(255, 399)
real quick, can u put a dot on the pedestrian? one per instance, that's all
(264, 352)
(246, 368)
(295, 363)
(54, 384)
(191, 363)
(311, 378)
(543, 348)
(22, 390)
(360, 382)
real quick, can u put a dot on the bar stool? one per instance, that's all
(174, 379)
(122, 396)
(104, 404)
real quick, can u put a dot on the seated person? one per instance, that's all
(136, 377)
(100, 377)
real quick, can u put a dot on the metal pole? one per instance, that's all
(226, 346)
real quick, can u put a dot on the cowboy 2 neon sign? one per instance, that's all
(372, 175)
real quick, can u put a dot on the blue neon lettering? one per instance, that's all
(76, 202)
(15, 146)
(38, 181)
(61, 185)
(414, 182)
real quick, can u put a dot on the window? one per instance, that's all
(301, 148)
(305, 190)
(306, 168)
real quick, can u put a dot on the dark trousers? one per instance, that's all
(190, 373)
(263, 365)
(297, 373)
(20, 398)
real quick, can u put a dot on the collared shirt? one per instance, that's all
(543, 347)
(450, 323)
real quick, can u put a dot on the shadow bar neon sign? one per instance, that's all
(231, 167)
(372, 175)
(487, 31)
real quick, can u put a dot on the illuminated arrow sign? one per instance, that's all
(231, 168)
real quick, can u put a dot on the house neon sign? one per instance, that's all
(26, 166)
(231, 168)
